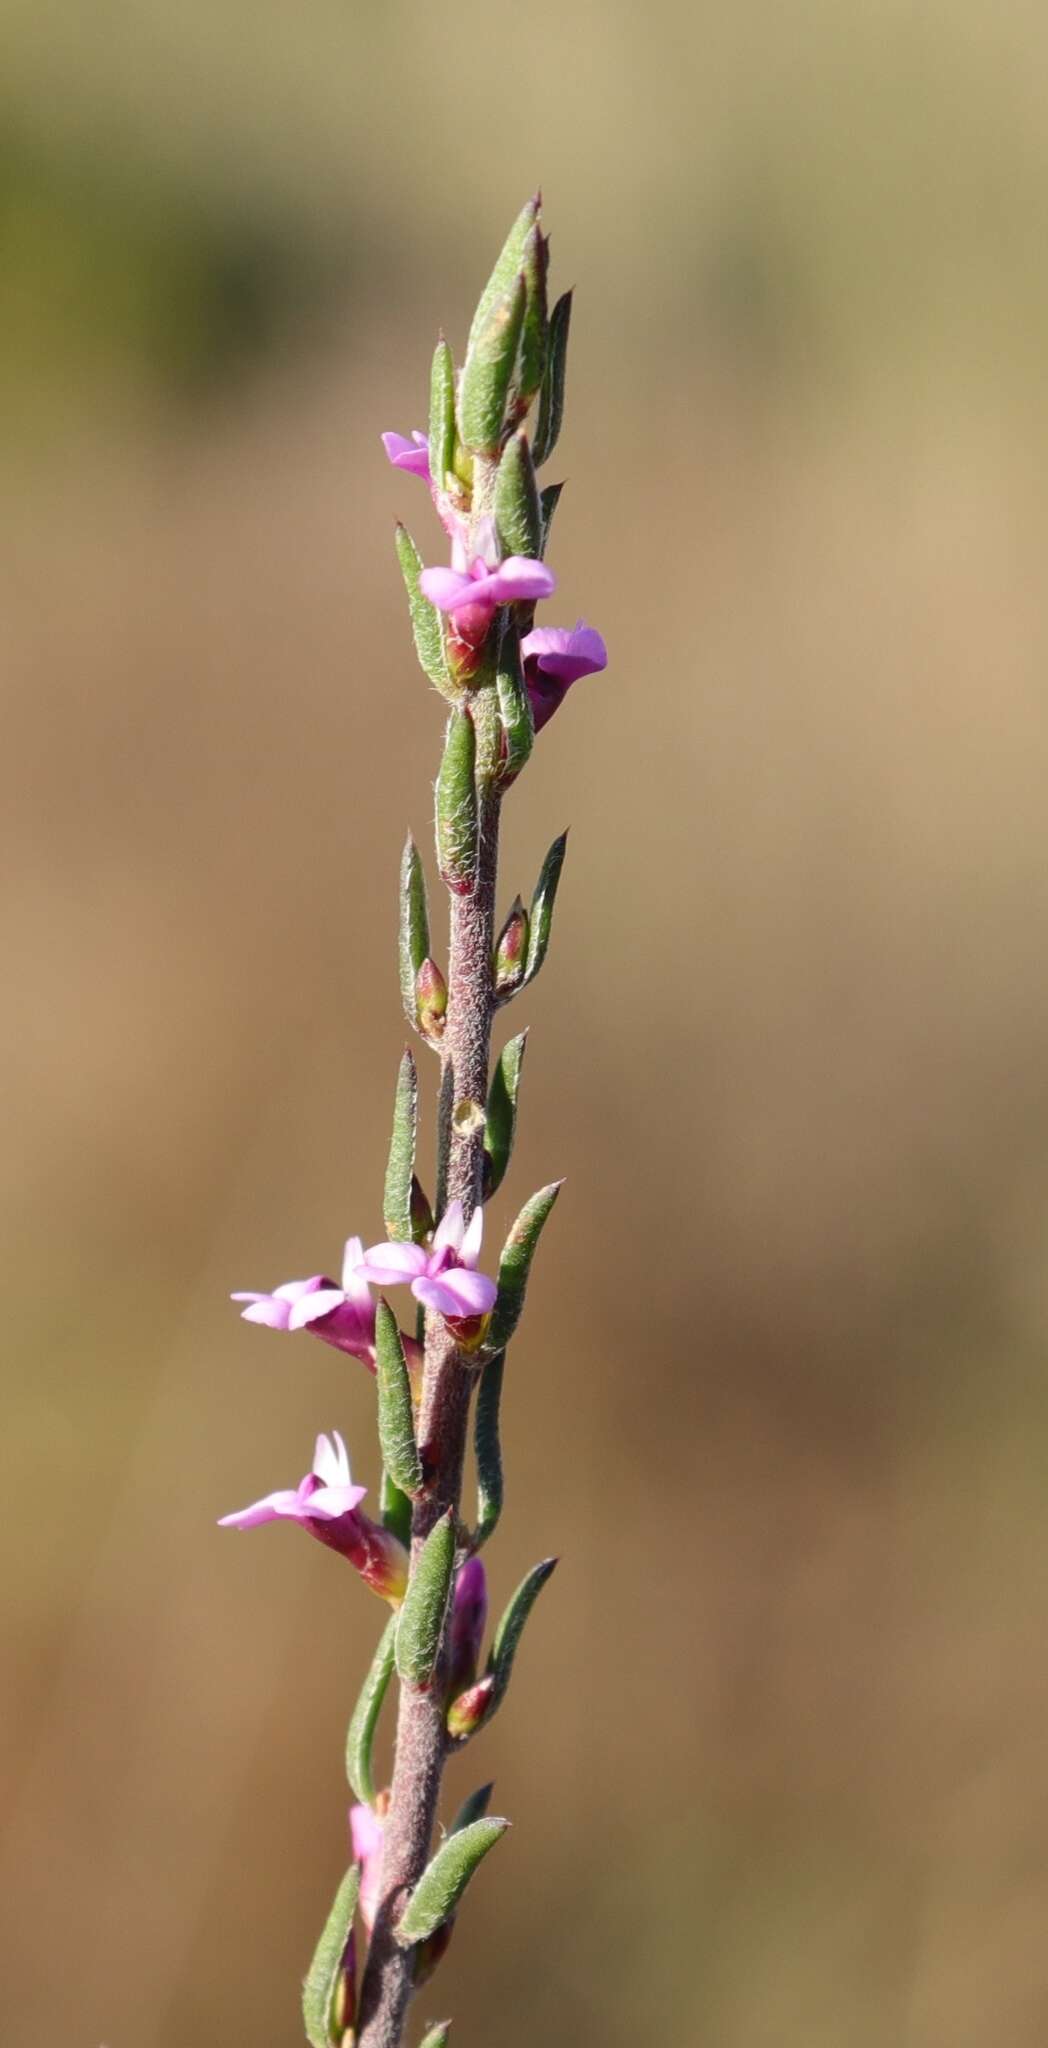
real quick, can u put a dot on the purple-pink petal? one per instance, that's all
(332, 1501)
(411, 455)
(446, 588)
(519, 577)
(388, 1265)
(566, 653)
(469, 1247)
(270, 1508)
(457, 1292)
(310, 1308)
(450, 1229)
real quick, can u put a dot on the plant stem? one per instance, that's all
(447, 1385)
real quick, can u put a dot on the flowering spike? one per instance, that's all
(501, 1121)
(426, 624)
(431, 997)
(488, 1449)
(551, 398)
(396, 1205)
(414, 927)
(487, 372)
(324, 2010)
(361, 1733)
(457, 806)
(396, 1425)
(542, 906)
(518, 514)
(515, 1263)
(515, 714)
(440, 1888)
(420, 1627)
(442, 415)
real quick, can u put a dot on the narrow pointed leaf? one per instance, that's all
(473, 1808)
(549, 499)
(551, 397)
(501, 1123)
(488, 1449)
(515, 1264)
(507, 268)
(438, 2036)
(396, 1510)
(396, 1204)
(542, 907)
(421, 1622)
(318, 1992)
(487, 371)
(360, 1738)
(518, 514)
(439, 1889)
(426, 625)
(515, 715)
(511, 1627)
(441, 414)
(414, 926)
(457, 805)
(531, 365)
(396, 1424)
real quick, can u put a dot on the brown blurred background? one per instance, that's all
(777, 1748)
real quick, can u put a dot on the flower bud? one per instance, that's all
(471, 1709)
(431, 998)
(375, 1553)
(469, 1612)
(511, 950)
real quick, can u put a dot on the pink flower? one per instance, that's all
(411, 455)
(445, 1276)
(344, 1316)
(473, 594)
(469, 1612)
(326, 1503)
(366, 1830)
(554, 658)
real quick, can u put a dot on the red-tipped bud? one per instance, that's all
(375, 1553)
(511, 950)
(431, 1952)
(431, 999)
(471, 1709)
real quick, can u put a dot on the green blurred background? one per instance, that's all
(777, 1746)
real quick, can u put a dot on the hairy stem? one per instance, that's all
(448, 1376)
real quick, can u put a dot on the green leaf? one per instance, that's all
(515, 715)
(396, 1201)
(508, 267)
(518, 515)
(474, 1807)
(501, 1123)
(488, 1448)
(441, 414)
(361, 1735)
(531, 365)
(542, 907)
(426, 624)
(440, 1888)
(457, 805)
(438, 2035)
(414, 926)
(487, 372)
(549, 499)
(511, 1627)
(551, 398)
(396, 1422)
(396, 1510)
(515, 1264)
(321, 1985)
(421, 1622)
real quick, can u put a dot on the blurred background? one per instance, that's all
(776, 1749)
